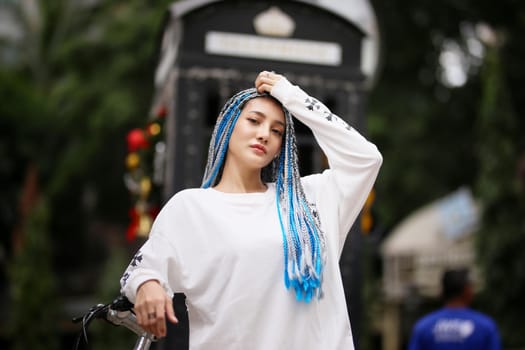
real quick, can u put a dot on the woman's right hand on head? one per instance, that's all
(266, 80)
(152, 307)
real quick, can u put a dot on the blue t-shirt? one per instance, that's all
(455, 329)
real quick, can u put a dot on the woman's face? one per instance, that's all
(258, 133)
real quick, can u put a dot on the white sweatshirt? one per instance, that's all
(224, 251)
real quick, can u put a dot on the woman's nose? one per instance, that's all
(263, 134)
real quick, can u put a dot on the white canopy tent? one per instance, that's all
(437, 236)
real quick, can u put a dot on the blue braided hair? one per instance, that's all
(303, 240)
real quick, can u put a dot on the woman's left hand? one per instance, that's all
(266, 80)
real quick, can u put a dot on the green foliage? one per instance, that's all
(92, 81)
(80, 79)
(501, 239)
(33, 285)
(422, 127)
(435, 139)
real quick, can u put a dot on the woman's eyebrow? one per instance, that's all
(261, 114)
(280, 123)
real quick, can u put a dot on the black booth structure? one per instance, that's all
(212, 49)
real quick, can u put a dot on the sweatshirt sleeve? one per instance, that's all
(155, 260)
(353, 161)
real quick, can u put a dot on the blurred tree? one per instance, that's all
(501, 239)
(71, 84)
(34, 304)
(424, 128)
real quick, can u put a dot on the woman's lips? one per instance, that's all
(259, 148)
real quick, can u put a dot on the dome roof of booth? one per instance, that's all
(360, 13)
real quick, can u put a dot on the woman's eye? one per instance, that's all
(277, 132)
(252, 120)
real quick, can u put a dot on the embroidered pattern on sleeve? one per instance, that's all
(135, 262)
(314, 105)
(124, 279)
(137, 259)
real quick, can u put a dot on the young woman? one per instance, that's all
(256, 249)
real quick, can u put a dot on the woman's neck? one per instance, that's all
(239, 188)
(235, 181)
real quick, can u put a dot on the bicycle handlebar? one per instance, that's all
(119, 313)
(128, 320)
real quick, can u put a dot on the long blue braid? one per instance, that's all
(303, 240)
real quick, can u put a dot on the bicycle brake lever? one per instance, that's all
(121, 304)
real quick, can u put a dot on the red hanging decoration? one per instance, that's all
(139, 164)
(137, 140)
(161, 111)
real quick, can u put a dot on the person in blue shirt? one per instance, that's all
(455, 326)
